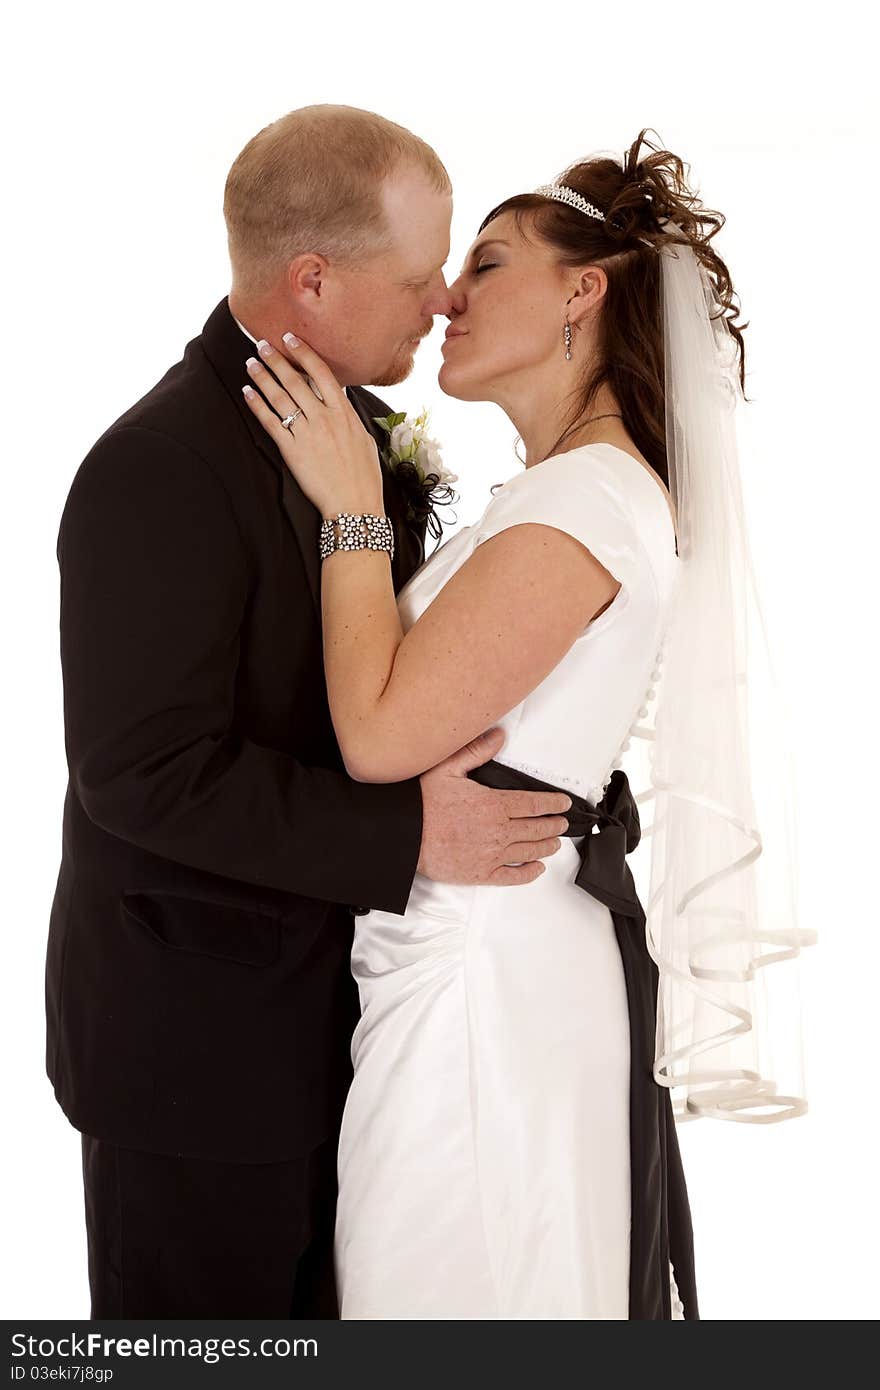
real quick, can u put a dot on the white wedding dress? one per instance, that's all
(484, 1159)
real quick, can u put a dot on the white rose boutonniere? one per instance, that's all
(416, 461)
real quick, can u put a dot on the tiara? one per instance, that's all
(563, 194)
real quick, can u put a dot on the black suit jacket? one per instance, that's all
(198, 993)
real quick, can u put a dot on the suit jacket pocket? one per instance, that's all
(205, 927)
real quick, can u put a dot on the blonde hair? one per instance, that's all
(311, 181)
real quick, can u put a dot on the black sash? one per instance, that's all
(661, 1220)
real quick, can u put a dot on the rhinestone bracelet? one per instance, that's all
(356, 531)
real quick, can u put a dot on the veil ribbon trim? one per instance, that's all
(721, 904)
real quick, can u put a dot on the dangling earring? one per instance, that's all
(567, 336)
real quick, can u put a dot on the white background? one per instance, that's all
(120, 123)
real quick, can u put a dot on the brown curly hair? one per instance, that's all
(634, 197)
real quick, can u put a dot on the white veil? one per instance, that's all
(721, 903)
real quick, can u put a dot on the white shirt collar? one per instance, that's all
(243, 329)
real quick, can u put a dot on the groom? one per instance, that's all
(198, 993)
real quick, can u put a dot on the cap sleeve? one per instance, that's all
(582, 496)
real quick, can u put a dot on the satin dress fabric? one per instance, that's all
(662, 1278)
(493, 1127)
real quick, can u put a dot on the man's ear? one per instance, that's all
(306, 274)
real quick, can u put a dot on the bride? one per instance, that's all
(506, 1151)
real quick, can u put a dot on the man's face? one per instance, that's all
(372, 317)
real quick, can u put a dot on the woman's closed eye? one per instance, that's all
(487, 265)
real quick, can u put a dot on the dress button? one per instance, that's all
(358, 911)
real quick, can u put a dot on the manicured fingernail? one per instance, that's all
(254, 365)
(264, 348)
(248, 391)
(290, 340)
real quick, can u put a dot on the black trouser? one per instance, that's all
(187, 1237)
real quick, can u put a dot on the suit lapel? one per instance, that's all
(227, 349)
(409, 537)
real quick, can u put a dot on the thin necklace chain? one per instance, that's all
(609, 415)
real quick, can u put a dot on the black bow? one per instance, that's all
(611, 830)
